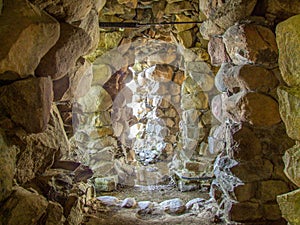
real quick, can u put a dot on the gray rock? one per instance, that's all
(198, 201)
(109, 200)
(173, 206)
(128, 203)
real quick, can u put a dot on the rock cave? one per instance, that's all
(149, 112)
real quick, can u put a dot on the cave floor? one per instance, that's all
(100, 214)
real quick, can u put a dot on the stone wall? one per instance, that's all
(42, 71)
(287, 36)
(252, 138)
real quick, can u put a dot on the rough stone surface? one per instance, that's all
(173, 206)
(101, 73)
(245, 211)
(254, 108)
(291, 160)
(289, 102)
(287, 37)
(97, 99)
(38, 151)
(282, 9)
(268, 190)
(226, 13)
(251, 44)
(66, 10)
(7, 167)
(289, 204)
(73, 43)
(75, 84)
(217, 51)
(55, 215)
(24, 207)
(245, 78)
(28, 103)
(34, 33)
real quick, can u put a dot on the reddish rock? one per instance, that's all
(73, 43)
(251, 44)
(217, 51)
(28, 103)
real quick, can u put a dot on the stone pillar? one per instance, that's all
(252, 137)
(288, 35)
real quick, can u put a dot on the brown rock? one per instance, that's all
(75, 84)
(66, 10)
(217, 51)
(73, 43)
(226, 13)
(25, 29)
(251, 44)
(245, 192)
(24, 208)
(245, 211)
(129, 3)
(186, 38)
(282, 9)
(268, 190)
(254, 108)
(7, 167)
(245, 78)
(90, 24)
(271, 211)
(73, 210)
(28, 103)
(287, 36)
(183, 27)
(38, 151)
(248, 145)
(160, 73)
(247, 171)
(55, 214)
(178, 7)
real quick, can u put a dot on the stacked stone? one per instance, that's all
(42, 63)
(288, 34)
(196, 92)
(252, 138)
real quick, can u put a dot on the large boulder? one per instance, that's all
(254, 108)
(251, 44)
(287, 37)
(23, 207)
(225, 13)
(7, 167)
(289, 204)
(39, 151)
(245, 78)
(292, 164)
(289, 101)
(73, 43)
(66, 10)
(28, 103)
(27, 34)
